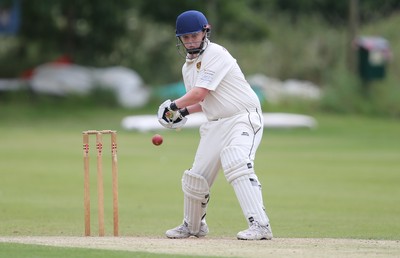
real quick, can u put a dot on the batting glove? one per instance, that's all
(169, 118)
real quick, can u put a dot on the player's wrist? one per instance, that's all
(173, 106)
(184, 111)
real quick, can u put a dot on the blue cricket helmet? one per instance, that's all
(191, 22)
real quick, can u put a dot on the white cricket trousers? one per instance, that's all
(243, 130)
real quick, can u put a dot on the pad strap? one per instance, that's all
(248, 193)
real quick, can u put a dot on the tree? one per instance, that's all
(84, 30)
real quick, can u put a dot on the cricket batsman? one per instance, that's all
(229, 139)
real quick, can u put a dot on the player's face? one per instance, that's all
(192, 40)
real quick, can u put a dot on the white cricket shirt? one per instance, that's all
(216, 70)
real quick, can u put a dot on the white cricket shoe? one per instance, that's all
(182, 231)
(256, 232)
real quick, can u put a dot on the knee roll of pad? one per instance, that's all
(235, 163)
(195, 186)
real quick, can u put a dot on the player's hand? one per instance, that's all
(169, 118)
(166, 113)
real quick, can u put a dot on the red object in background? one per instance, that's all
(62, 60)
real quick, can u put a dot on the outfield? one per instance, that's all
(340, 181)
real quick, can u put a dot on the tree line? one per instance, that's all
(104, 33)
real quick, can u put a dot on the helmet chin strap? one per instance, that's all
(198, 50)
(195, 51)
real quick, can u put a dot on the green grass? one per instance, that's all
(340, 180)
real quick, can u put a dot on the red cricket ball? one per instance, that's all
(157, 139)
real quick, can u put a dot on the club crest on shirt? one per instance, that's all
(198, 65)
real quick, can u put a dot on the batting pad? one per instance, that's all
(235, 163)
(249, 195)
(196, 195)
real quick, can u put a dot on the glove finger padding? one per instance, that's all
(179, 121)
(163, 109)
(169, 118)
